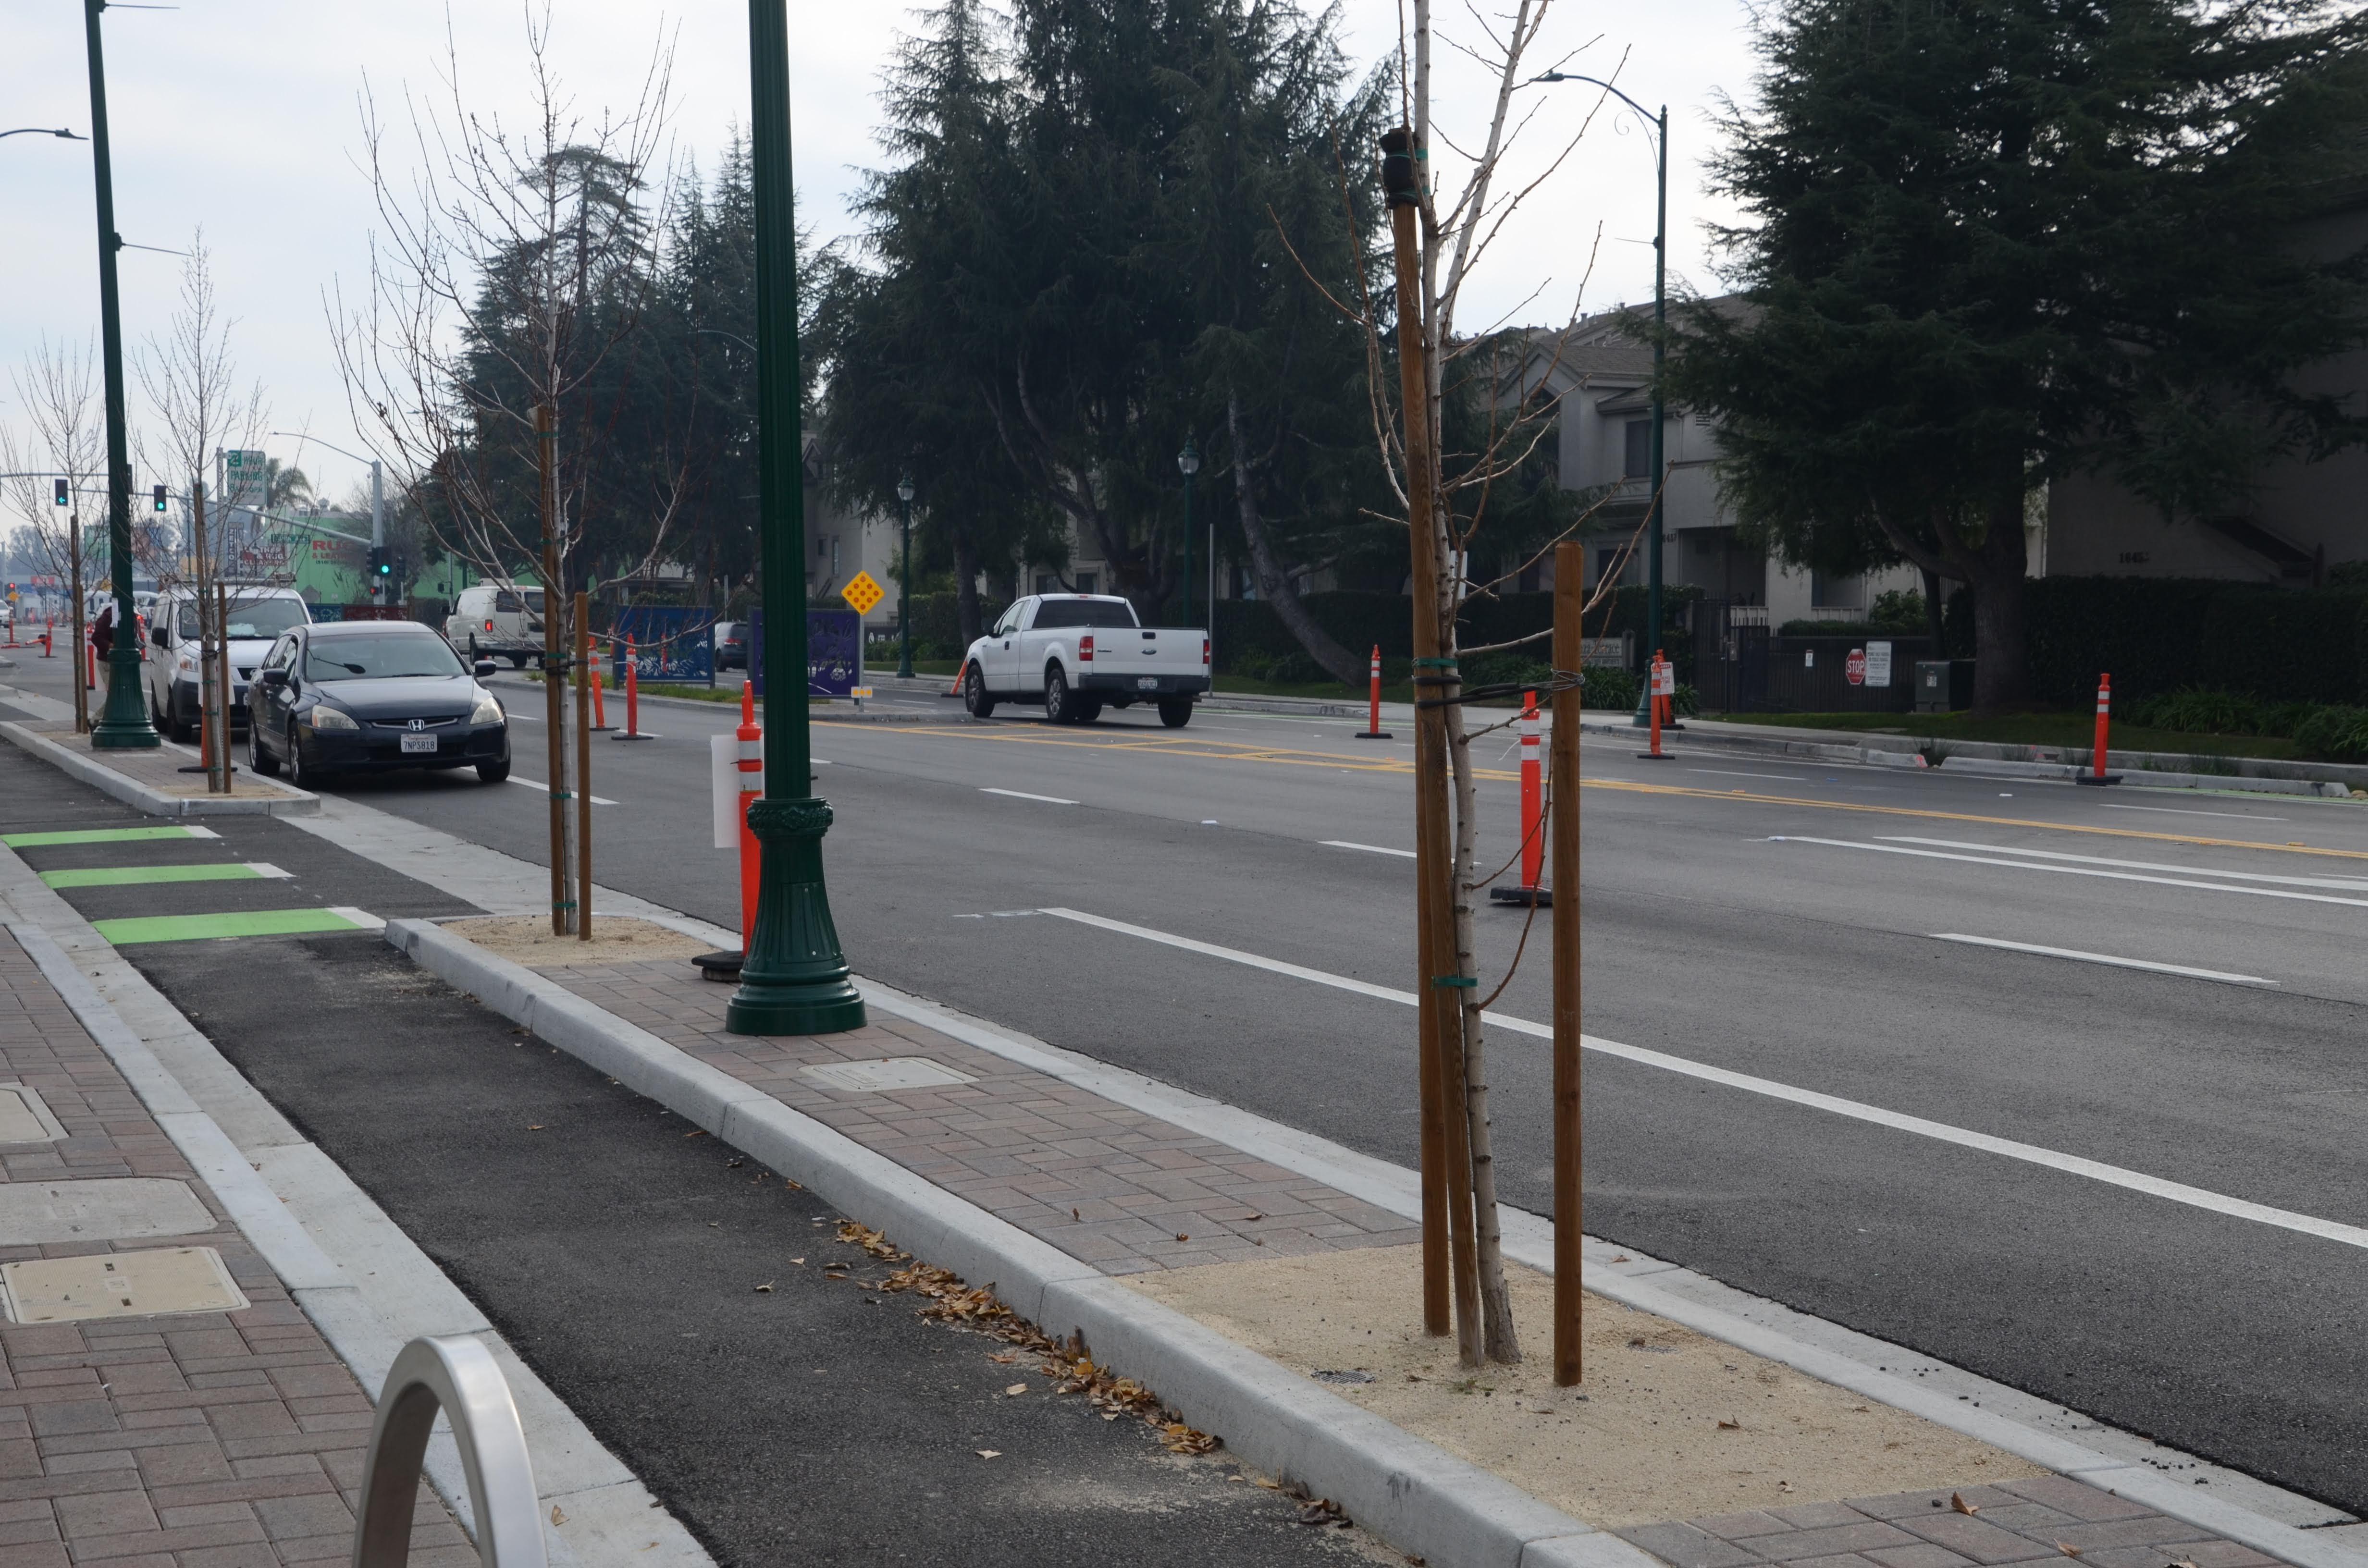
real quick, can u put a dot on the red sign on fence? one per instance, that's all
(1854, 668)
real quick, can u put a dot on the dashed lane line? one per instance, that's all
(1856, 1110)
(2078, 957)
(2005, 858)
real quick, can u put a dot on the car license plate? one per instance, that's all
(418, 742)
(1146, 683)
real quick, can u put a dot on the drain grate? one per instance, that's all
(24, 1117)
(890, 1073)
(104, 1208)
(120, 1285)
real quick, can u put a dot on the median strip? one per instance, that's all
(138, 928)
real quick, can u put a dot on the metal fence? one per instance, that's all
(1741, 665)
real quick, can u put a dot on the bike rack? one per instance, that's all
(455, 1374)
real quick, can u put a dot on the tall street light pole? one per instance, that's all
(123, 723)
(794, 979)
(1188, 463)
(905, 583)
(1661, 123)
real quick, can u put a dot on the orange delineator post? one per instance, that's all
(1372, 730)
(1656, 681)
(48, 636)
(599, 709)
(633, 693)
(2104, 713)
(91, 681)
(1534, 839)
(752, 785)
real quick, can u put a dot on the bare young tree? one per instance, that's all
(512, 263)
(58, 387)
(191, 383)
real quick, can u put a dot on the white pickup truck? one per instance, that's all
(1079, 652)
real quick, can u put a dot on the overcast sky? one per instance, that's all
(242, 116)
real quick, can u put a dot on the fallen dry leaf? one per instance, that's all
(1015, 1390)
(1006, 1358)
(1247, 1218)
(990, 1453)
(835, 1274)
(734, 1164)
(1957, 1501)
(1183, 1237)
(1730, 1426)
(534, 1127)
(799, 1261)
(1621, 1258)
(556, 1517)
(1074, 1215)
(700, 1133)
(2067, 1550)
(765, 1289)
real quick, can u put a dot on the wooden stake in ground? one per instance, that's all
(583, 671)
(1447, 1153)
(546, 444)
(1569, 659)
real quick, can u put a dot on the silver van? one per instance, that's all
(497, 620)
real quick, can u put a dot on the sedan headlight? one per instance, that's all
(486, 711)
(324, 717)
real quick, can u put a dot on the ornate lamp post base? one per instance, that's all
(123, 723)
(794, 980)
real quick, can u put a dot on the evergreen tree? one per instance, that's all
(1996, 242)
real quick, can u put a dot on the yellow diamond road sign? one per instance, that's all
(862, 593)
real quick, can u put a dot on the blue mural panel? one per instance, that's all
(671, 642)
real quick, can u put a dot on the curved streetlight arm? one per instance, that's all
(307, 436)
(44, 131)
(719, 332)
(1599, 82)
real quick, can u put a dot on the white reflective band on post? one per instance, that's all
(723, 774)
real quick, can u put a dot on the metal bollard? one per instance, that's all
(456, 1375)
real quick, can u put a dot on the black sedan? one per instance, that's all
(366, 696)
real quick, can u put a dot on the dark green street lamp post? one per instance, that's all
(123, 723)
(905, 584)
(794, 979)
(1188, 463)
(1660, 124)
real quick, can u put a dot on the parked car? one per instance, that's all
(730, 644)
(257, 617)
(497, 620)
(368, 696)
(1077, 653)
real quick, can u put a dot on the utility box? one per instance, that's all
(1944, 686)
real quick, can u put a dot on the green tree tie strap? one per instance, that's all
(1455, 982)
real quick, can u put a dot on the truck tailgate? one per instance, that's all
(1163, 651)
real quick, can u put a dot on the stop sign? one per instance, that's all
(1854, 668)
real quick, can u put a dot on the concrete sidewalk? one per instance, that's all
(205, 1435)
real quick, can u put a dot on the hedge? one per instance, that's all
(2158, 635)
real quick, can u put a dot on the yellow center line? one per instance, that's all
(1199, 750)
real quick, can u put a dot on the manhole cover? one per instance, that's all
(24, 1119)
(105, 1209)
(892, 1073)
(120, 1285)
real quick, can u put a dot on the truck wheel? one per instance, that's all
(1059, 706)
(975, 697)
(1174, 711)
(1087, 708)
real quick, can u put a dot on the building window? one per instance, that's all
(1086, 583)
(1047, 583)
(1639, 464)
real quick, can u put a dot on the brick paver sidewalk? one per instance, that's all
(2046, 1518)
(182, 1440)
(1107, 1184)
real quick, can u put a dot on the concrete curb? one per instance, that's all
(2138, 770)
(1413, 1494)
(155, 803)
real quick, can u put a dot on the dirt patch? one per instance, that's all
(616, 939)
(1667, 1424)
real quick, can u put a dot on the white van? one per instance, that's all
(258, 614)
(497, 620)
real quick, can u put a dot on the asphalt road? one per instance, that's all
(818, 1421)
(1774, 919)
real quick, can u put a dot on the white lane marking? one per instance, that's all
(1730, 773)
(2075, 953)
(360, 918)
(538, 784)
(2348, 884)
(201, 832)
(1024, 795)
(1368, 848)
(2184, 811)
(2072, 871)
(266, 868)
(2008, 1148)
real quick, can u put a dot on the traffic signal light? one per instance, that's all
(382, 566)
(61, 492)
(159, 493)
